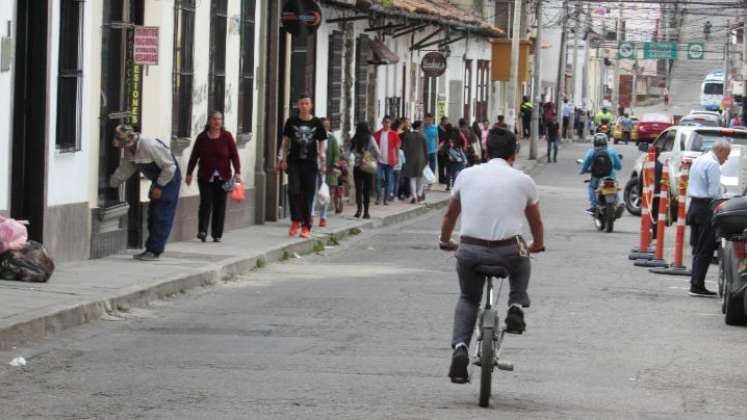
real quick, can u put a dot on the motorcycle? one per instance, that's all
(609, 207)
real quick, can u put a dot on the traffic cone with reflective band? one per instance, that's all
(661, 223)
(677, 268)
(643, 252)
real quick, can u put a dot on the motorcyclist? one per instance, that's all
(592, 163)
(603, 114)
(604, 127)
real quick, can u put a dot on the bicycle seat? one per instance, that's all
(492, 270)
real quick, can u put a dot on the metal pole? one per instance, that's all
(585, 82)
(513, 87)
(560, 93)
(634, 96)
(534, 141)
(260, 177)
(616, 87)
(727, 81)
(601, 67)
(575, 55)
(744, 68)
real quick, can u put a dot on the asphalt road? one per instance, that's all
(363, 333)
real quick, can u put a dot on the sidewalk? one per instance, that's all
(84, 291)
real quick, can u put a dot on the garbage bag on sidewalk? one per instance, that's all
(32, 263)
(13, 234)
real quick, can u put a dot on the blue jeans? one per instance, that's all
(552, 150)
(454, 169)
(161, 214)
(384, 181)
(396, 174)
(432, 161)
(593, 185)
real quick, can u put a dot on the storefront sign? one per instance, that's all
(301, 17)
(434, 64)
(146, 45)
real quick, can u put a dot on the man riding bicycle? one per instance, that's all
(493, 200)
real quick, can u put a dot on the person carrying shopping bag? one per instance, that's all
(364, 155)
(333, 158)
(215, 150)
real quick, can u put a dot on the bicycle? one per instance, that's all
(489, 332)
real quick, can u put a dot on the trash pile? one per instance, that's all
(20, 258)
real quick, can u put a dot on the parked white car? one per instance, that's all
(678, 142)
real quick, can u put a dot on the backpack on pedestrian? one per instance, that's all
(601, 164)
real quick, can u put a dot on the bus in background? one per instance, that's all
(712, 91)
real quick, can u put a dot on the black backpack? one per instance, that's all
(601, 164)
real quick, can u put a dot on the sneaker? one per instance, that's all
(701, 292)
(322, 222)
(146, 256)
(216, 240)
(202, 236)
(590, 210)
(294, 228)
(305, 232)
(413, 200)
(378, 201)
(357, 214)
(515, 321)
(366, 215)
(459, 363)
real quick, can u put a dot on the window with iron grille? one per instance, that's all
(361, 78)
(334, 82)
(246, 75)
(184, 25)
(70, 76)
(217, 77)
(467, 89)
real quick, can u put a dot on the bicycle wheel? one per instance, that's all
(487, 360)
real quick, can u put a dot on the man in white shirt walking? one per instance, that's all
(493, 199)
(703, 187)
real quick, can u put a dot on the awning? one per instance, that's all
(381, 54)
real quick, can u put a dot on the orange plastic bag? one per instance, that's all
(238, 193)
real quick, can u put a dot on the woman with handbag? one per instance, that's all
(365, 155)
(215, 150)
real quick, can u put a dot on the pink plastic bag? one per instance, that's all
(13, 234)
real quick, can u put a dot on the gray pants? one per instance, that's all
(472, 283)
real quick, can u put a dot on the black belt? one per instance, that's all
(514, 240)
(701, 199)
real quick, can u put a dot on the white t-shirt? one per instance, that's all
(493, 198)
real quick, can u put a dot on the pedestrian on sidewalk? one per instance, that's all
(553, 138)
(456, 157)
(444, 128)
(567, 110)
(415, 148)
(703, 187)
(215, 151)
(332, 153)
(388, 142)
(154, 160)
(526, 116)
(302, 155)
(430, 131)
(363, 145)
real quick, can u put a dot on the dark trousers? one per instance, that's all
(702, 239)
(212, 202)
(454, 169)
(301, 190)
(363, 181)
(566, 123)
(443, 172)
(552, 149)
(525, 126)
(161, 215)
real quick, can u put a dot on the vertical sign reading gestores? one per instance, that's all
(146, 45)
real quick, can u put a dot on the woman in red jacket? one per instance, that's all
(215, 149)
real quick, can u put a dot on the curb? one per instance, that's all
(38, 325)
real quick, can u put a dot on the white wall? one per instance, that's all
(7, 14)
(65, 168)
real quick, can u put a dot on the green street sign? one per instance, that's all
(626, 49)
(695, 51)
(660, 50)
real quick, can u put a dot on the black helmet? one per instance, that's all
(600, 140)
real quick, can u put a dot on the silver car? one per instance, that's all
(678, 142)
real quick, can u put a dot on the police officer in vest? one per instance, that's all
(154, 160)
(704, 186)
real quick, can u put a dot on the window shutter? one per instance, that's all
(334, 89)
(361, 78)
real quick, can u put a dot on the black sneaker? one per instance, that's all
(515, 321)
(459, 362)
(701, 292)
(202, 236)
(147, 256)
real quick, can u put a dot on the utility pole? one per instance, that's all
(744, 69)
(585, 82)
(600, 66)
(727, 80)
(560, 92)
(574, 79)
(668, 62)
(619, 37)
(534, 141)
(634, 96)
(513, 87)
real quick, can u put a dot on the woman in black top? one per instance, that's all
(362, 143)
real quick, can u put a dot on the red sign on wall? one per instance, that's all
(146, 45)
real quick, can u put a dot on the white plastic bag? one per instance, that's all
(13, 234)
(322, 197)
(428, 175)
